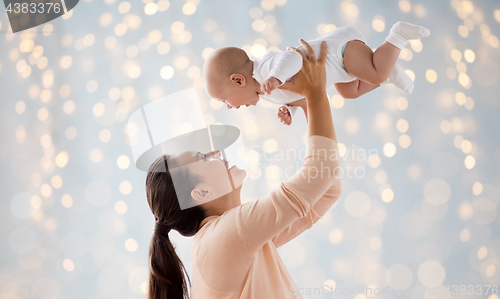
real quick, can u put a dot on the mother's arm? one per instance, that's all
(316, 213)
(260, 221)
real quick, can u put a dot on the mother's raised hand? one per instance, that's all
(312, 76)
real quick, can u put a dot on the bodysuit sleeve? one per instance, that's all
(285, 65)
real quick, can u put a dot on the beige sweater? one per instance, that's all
(234, 255)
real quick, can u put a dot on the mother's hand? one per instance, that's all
(312, 76)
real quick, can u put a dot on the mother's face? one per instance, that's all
(217, 178)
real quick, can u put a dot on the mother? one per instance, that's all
(234, 251)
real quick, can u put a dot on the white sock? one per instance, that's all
(401, 32)
(400, 79)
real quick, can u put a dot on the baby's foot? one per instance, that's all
(410, 31)
(401, 32)
(284, 115)
(400, 79)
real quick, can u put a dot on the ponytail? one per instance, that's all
(167, 274)
(166, 278)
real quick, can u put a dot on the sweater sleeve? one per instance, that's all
(317, 212)
(285, 65)
(259, 221)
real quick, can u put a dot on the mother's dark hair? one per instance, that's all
(166, 276)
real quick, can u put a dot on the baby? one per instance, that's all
(352, 66)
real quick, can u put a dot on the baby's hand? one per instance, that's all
(269, 85)
(284, 115)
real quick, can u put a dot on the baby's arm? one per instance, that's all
(286, 112)
(285, 65)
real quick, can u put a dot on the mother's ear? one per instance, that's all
(238, 79)
(202, 193)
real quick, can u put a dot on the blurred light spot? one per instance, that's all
(387, 195)
(357, 204)
(71, 133)
(68, 265)
(406, 54)
(105, 135)
(163, 5)
(267, 4)
(105, 19)
(124, 7)
(431, 76)
(125, 187)
(352, 125)
(469, 55)
(163, 48)
(404, 141)
(258, 25)
(466, 146)
(402, 125)
(123, 162)
(477, 188)
(218, 37)
(463, 79)
(378, 23)
(177, 27)
(210, 25)
(270, 146)
(461, 67)
(96, 155)
(431, 273)
(336, 236)
(375, 243)
(460, 98)
(389, 149)
(416, 45)
(469, 162)
(134, 72)
(131, 245)
(66, 62)
(121, 207)
(110, 42)
(89, 40)
(92, 86)
(256, 13)
(337, 101)
(43, 114)
(189, 9)
(482, 252)
(464, 235)
(380, 177)
(405, 6)
(98, 109)
(456, 55)
(67, 201)
(258, 50)
(166, 72)
(349, 8)
(374, 161)
(69, 107)
(181, 62)
(342, 149)
(463, 31)
(150, 8)
(56, 182)
(410, 74)
(437, 191)
(20, 134)
(120, 29)
(206, 52)
(401, 103)
(20, 107)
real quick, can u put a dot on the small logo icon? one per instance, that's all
(31, 13)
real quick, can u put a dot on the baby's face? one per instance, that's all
(235, 96)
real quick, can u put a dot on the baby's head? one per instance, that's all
(228, 77)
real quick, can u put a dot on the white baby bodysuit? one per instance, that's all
(283, 65)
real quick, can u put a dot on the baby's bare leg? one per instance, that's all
(354, 89)
(366, 65)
